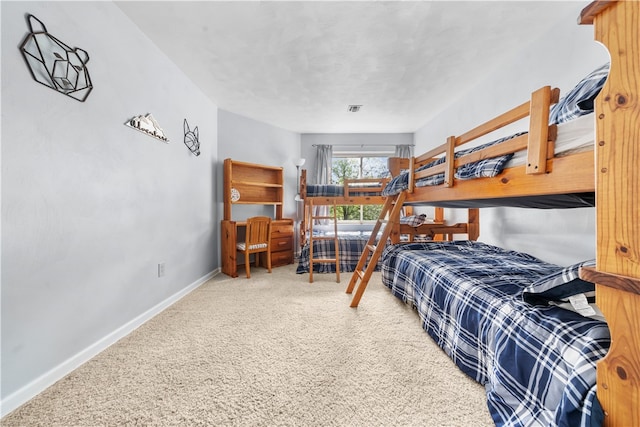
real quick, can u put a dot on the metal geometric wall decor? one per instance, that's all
(54, 64)
(191, 138)
(147, 125)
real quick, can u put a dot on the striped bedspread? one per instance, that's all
(350, 248)
(335, 190)
(538, 363)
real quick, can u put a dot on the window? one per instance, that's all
(357, 166)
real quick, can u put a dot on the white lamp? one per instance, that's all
(298, 163)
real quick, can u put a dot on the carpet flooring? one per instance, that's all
(273, 350)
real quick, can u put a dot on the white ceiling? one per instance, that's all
(299, 64)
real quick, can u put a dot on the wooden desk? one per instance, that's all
(281, 244)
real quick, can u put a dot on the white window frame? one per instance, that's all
(350, 154)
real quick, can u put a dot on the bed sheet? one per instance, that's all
(537, 363)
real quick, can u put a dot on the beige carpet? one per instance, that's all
(274, 350)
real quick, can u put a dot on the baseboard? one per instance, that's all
(37, 386)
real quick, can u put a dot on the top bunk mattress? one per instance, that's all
(574, 136)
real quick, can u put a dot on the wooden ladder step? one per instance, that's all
(366, 266)
(313, 260)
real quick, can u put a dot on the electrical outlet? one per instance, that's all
(161, 269)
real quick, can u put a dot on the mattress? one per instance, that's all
(574, 136)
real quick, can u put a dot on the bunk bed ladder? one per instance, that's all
(389, 217)
(335, 260)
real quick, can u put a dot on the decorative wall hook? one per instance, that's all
(148, 125)
(191, 138)
(54, 64)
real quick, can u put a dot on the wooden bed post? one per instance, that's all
(617, 272)
(450, 161)
(539, 130)
(397, 164)
(473, 224)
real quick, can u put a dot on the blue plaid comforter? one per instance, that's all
(350, 248)
(334, 190)
(537, 363)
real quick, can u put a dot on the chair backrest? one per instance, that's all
(258, 231)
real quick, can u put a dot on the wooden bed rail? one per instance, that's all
(351, 190)
(538, 142)
(351, 187)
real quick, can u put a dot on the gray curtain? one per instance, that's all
(404, 151)
(324, 155)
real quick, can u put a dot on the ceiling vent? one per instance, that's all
(354, 108)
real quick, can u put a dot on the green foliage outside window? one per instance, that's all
(352, 168)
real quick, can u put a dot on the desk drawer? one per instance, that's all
(281, 258)
(281, 244)
(280, 230)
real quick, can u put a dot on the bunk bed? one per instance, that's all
(362, 191)
(365, 191)
(526, 329)
(320, 243)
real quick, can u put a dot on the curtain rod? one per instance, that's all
(365, 145)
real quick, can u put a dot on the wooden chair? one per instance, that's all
(257, 240)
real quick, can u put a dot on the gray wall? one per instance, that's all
(242, 138)
(558, 58)
(90, 206)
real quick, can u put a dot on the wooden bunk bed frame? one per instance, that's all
(354, 193)
(610, 170)
(541, 175)
(617, 271)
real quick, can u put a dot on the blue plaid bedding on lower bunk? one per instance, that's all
(537, 363)
(350, 248)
